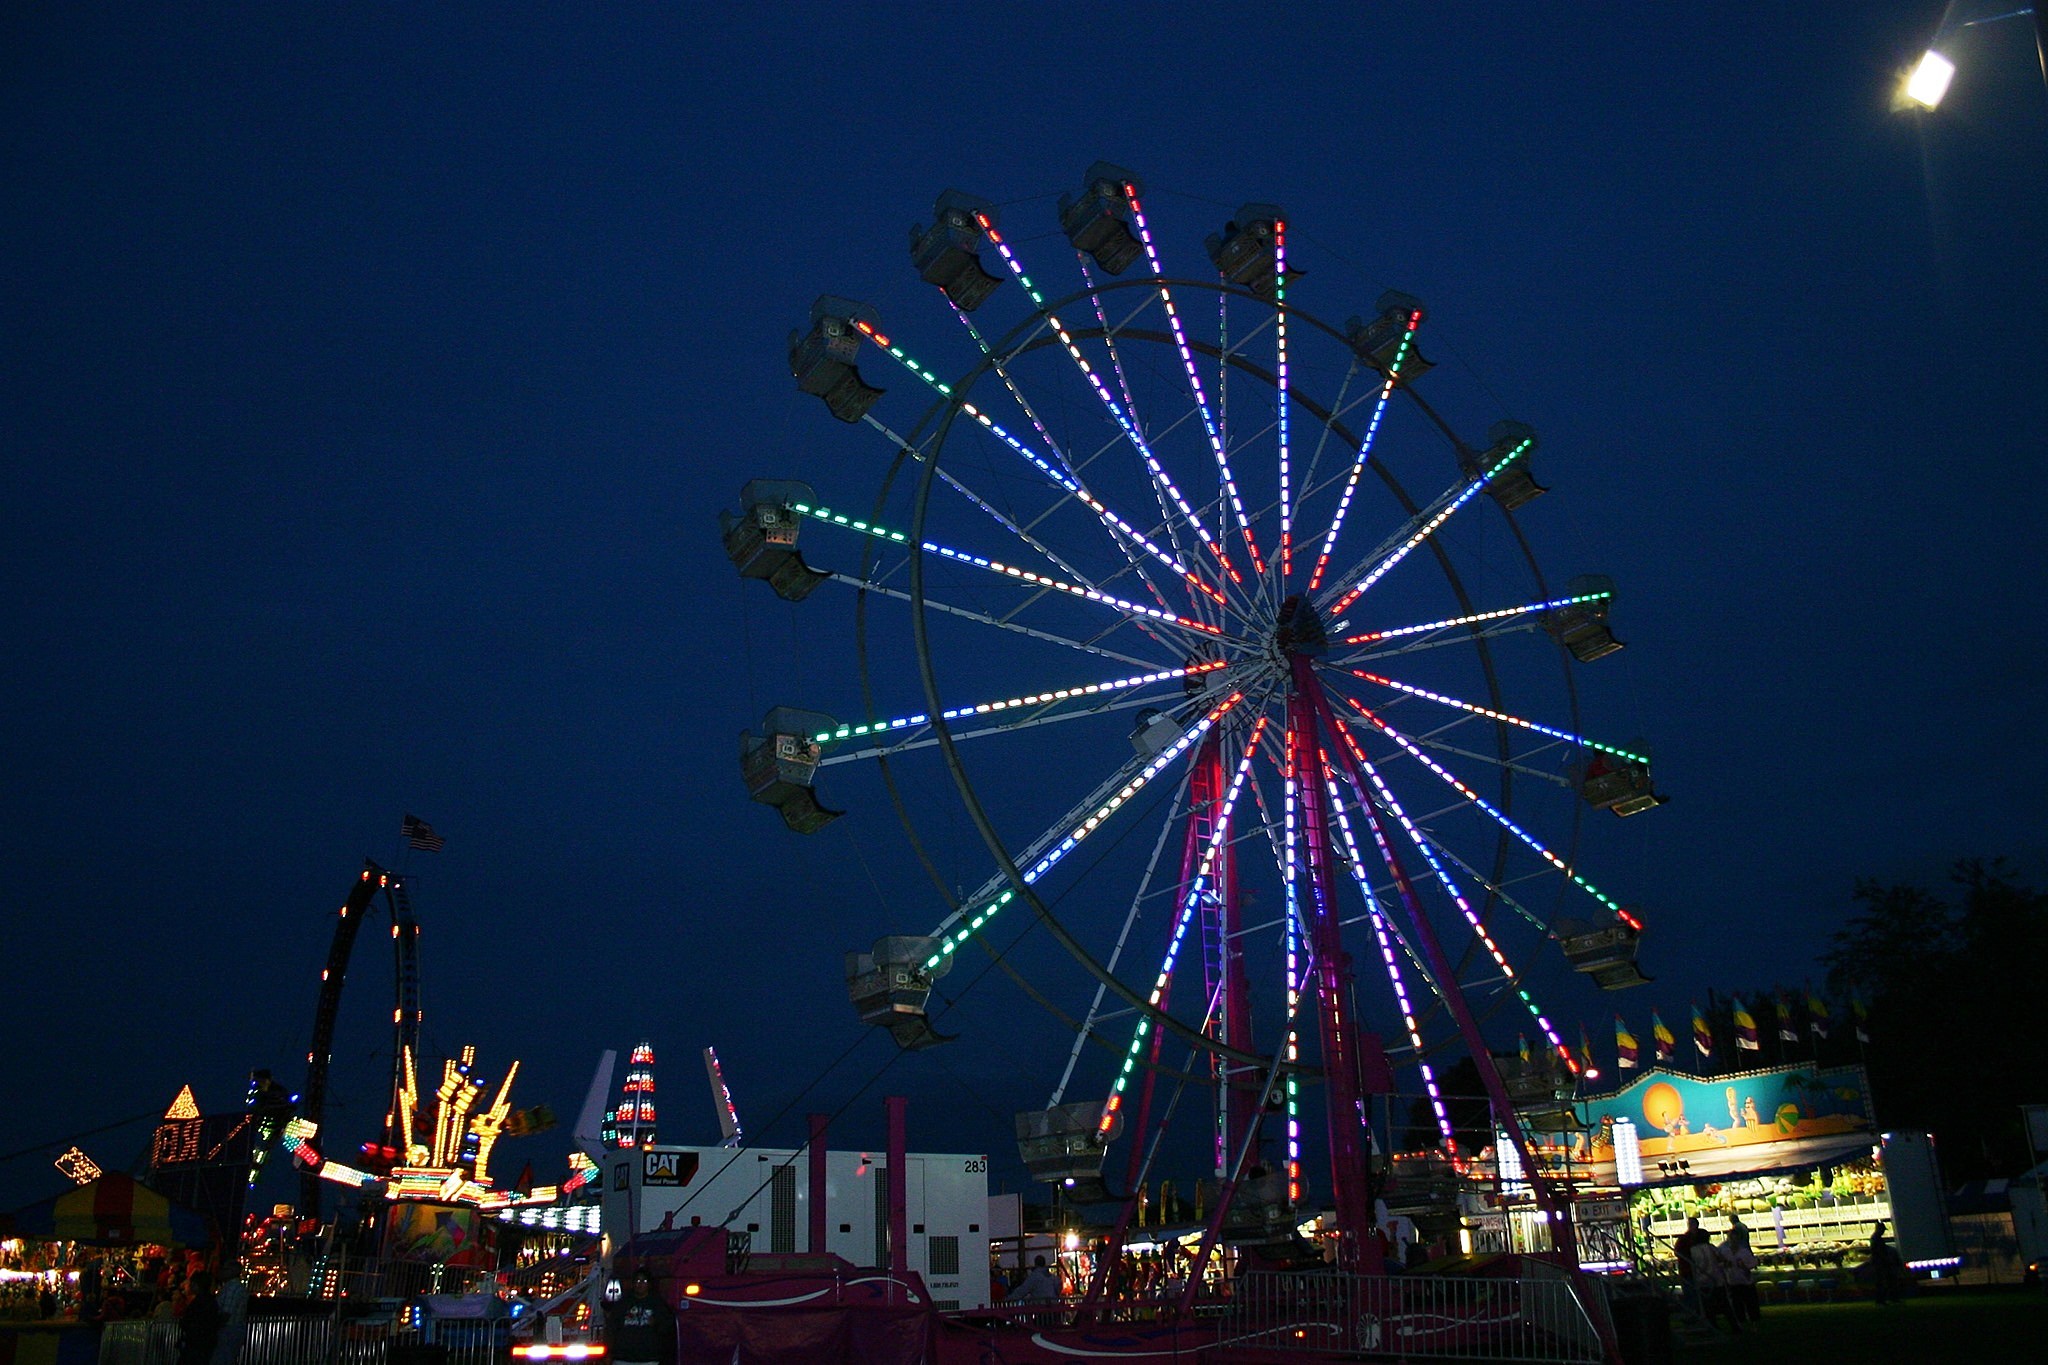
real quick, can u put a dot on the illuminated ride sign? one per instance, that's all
(445, 1153)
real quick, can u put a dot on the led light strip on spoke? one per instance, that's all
(1045, 863)
(1393, 964)
(1123, 379)
(1187, 359)
(946, 476)
(1370, 636)
(1500, 818)
(1058, 476)
(1003, 372)
(1365, 445)
(1095, 382)
(1034, 699)
(1217, 838)
(1280, 388)
(1008, 570)
(1479, 931)
(1492, 714)
(1292, 911)
(1116, 362)
(1465, 495)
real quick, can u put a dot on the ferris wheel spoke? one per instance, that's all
(1425, 523)
(1500, 817)
(1027, 534)
(1391, 963)
(1111, 520)
(994, 513)
(1496, 889)
(1503, 717)
(1067, 461)
(1280, 389)
(1081, 591)
(969, 614)
(1423, 644)
(1161, 479)
(1297, 972)
(1046, 851)
(1002, 370)
(1190, 901)
(1435, 742)
(1309, 486)
(1476, 618)
(1364, 455)
(1116, 361)
(1051, 697)
(1194, 374)
(1097, 1016)
(914, 740)
(1508, 975)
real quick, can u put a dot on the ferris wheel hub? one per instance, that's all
(1298, 630)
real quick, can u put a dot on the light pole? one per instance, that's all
(1929, 79)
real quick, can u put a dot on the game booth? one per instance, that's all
(88, 1253)
(1793, 1152)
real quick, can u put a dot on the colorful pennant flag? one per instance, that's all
(1788, 1027)
(1586, 1053)
(1522, 1045)
(1661, 1035)
(1862, 1017)
(420, 834)
(1816, 1014)
(1625, 1058)
(1745, 1029)
(1702, 1035)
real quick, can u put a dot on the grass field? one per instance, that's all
(1928, 1329)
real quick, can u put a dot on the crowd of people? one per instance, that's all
(1717, 1280)
(207, 1309)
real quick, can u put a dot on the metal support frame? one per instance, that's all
(1344, 1115)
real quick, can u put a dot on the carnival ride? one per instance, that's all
(1227, 687)
(405, 1009)
(437, 1143)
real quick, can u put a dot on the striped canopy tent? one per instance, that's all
(113, 1210)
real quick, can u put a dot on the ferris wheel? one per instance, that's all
(1225, 640)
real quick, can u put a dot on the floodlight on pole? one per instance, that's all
(1929, 80)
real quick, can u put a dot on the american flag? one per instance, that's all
(420, 834)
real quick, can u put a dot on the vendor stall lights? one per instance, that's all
(1628, 1153)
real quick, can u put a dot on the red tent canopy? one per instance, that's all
(113, 1210)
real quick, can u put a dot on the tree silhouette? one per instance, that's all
(1954, 993)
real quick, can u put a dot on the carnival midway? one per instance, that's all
(1238, 658)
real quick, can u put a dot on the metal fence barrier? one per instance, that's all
(326, 1339)
(1414, 1316)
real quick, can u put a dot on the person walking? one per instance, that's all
(199, 1324)
(640, 1329)
(1710, 1281)
(1682, 1247)
(1738, 1272)
(1039, 1284)
(1886, 1274)
(234, 1313)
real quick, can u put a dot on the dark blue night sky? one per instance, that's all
(372, 382)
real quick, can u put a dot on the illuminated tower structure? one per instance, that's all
(631, 1124)
(207, 1162)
